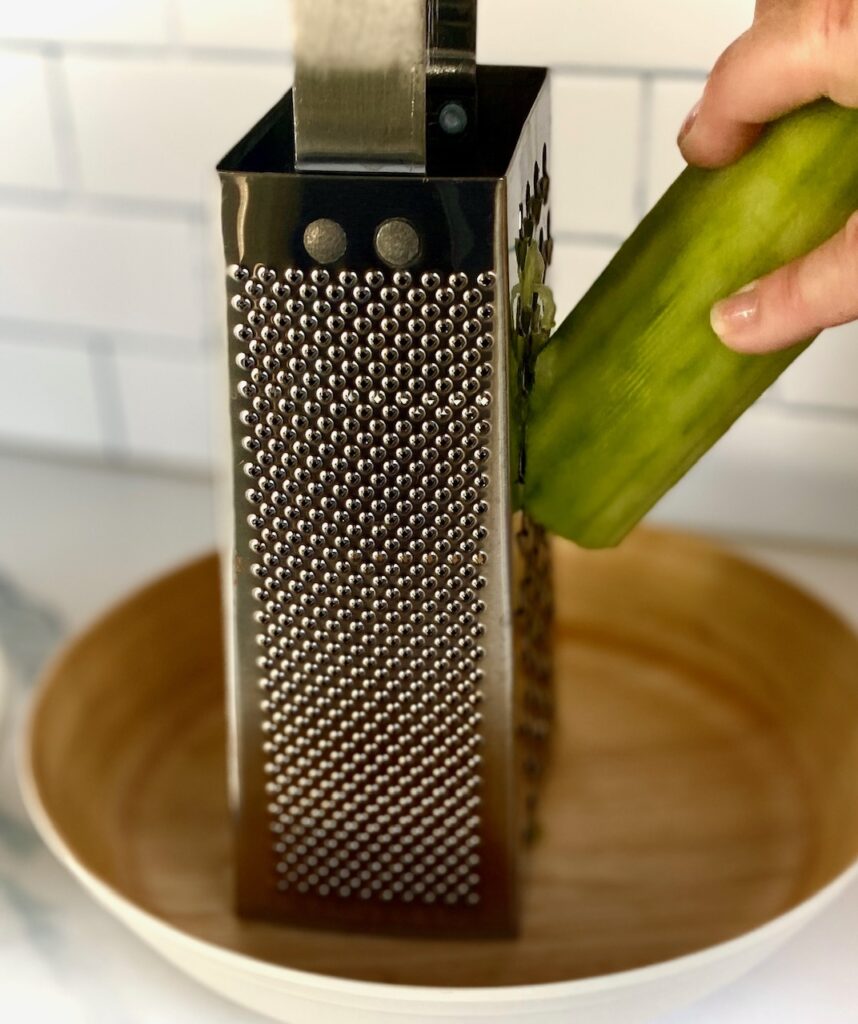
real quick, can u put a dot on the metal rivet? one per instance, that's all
(325, 240)
(453, 118)
(397, 242)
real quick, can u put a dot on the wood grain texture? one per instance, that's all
(705, 775)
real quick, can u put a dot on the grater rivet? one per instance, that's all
(325, 241)
(397, 242)
(453, 118)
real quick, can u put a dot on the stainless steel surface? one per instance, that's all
(389, 615)
(360, 84)
(371, 76)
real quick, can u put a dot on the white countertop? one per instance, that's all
(73, 539)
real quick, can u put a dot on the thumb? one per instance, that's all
(795, 302)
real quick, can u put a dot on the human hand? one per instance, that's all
(796, 51)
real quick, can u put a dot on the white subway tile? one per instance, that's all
(261, 24)
(87, 21)
(826, 374)
(595, 124)
(48, 396)
(776, 472)
(617, 33)
(28, 158)
(169, 407)
(93, 270)
(574, 268)
(154, 129)
(671, 102)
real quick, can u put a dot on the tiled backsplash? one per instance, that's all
(112, 115)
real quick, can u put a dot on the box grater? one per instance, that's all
(389, 610)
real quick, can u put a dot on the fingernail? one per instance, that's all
(688, 123)
(735, 315)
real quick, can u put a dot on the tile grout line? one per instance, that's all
(644, 146)
(207, 292)
(94, 203)
(173, 23)
(45, 332)
(601, 239)
(62, 122)
(111, 414)
(811, 410)
(152, 51)
(178, 47)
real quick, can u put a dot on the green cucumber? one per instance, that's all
(634, 386)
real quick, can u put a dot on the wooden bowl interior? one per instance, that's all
(705, 776)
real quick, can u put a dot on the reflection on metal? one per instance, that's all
(360, 84)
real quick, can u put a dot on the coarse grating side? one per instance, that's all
(534, 589)
(365, 403)
(534, 622)
(388, 610)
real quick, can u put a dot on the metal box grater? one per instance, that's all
(389, 612)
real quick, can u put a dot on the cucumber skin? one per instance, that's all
(634, 386)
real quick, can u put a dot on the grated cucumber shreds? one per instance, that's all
(533, 317)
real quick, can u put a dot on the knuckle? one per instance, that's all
(836, 29)
(837, 16)
(793, 297)
(849, 262)
(720, 74)
(850, 235)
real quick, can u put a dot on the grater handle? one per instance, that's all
(453, 42)
(451, 99)
(373, 77)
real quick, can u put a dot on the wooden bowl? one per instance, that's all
(703, 804)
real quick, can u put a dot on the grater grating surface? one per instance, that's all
(366, 406)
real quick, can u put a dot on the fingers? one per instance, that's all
(777, 65)
(796, 302)
(764, 7)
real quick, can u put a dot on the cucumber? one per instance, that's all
(634, 386)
